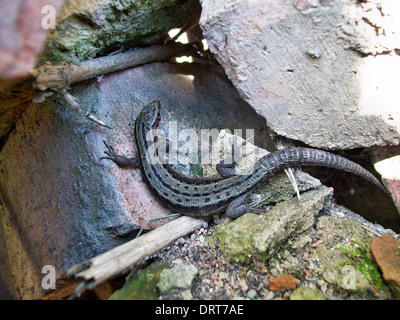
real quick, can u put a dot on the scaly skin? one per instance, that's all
(200, 197)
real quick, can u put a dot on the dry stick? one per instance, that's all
(60, 77)
(280, 144)
(122, 258)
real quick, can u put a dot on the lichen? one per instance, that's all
(94, 29)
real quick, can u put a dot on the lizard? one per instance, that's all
(206, 196)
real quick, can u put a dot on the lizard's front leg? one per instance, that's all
(226, 167)
(121, 161)
(238, 208)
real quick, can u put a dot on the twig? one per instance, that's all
(171, 216)
(62, 76)
(280, 143)
(71, 100)
(59, 77)
(124, 257)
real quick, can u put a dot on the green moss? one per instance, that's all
(260, 235)
(295, 271)
(359, 257)
(234, 240)
(143, 287)
(96, 28)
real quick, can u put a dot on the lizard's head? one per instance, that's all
(150, 114)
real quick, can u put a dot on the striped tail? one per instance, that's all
(314, 157)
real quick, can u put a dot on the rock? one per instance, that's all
(284, 282)
(336, 229)
(386, 251)
(186, 295)
(178, 277)
(293, 65)
(302, 242)
(87, 29)
(278, 186)
(143, 286)
(344, 256)
(345, 234)
(251, 294)
(52, 176)
(348, 278)
(243, 285)
(6, 277)
(387, 164)
(22, 35)
(282, 189)
(305, 293)
(339, 231)
(257, 234)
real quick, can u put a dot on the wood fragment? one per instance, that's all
(281, 143)
(60, 76)
(122, 258)
(67, 288)
(71, 100)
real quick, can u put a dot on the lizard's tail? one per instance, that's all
(314, 157)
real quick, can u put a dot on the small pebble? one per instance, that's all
(251, 294)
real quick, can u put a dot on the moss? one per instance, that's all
(143, 286)
(307, 294)
(296, 271)
(258, 236)
(359, 257)
(92, 29)
(235, 240)
(177, 278)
